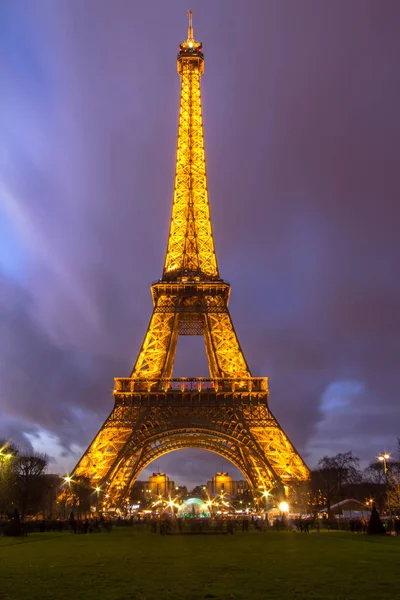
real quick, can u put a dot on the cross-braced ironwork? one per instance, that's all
(227, 413)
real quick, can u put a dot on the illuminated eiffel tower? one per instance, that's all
(226, 413)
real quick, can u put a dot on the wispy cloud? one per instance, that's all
(302, 138)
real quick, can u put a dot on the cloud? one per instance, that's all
(302, 140)
(10, 431)
(44, 385)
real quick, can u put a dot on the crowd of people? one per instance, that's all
(167, 524)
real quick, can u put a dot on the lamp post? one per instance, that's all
(384, 457)
(97, 501)
(265, 495)
(67, 481)
(6, 466)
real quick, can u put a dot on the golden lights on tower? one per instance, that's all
(190, 243)
(226, 413)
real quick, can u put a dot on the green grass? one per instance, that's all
(137, 565)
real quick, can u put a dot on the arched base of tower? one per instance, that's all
(236, 425)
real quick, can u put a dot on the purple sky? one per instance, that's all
(301, 107)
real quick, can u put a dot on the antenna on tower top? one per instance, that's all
(190, 30)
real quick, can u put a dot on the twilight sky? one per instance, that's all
(301, 107)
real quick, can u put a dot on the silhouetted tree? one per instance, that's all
(29, 482)
(333, 473)
(374, 473)
(14, 528)
(51, 487)
(78, 495)
(200, 491)
(375, 525)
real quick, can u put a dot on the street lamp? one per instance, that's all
(67, 480)
(284, 507)
(97, 490)
(265, 495)
(369, 502)
(384, 457)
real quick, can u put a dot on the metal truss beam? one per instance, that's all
(227, 413)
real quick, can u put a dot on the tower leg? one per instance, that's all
(157, 354)
(225, 356)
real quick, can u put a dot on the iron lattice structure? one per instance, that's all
(228, 413)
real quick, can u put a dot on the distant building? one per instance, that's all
(222, 482)
(51, 486)
(139, 491)
(157, 484)
(350, 509)
(241, 488)
(160, 484)
(180, 491)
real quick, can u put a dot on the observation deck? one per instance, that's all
(190, 288)
(190, 390)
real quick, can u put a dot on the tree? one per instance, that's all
(15, 527)
(78, 494)
(393, 483)
(84, 494)
(200, 491)
(49, 504)
(333, 473)
(375, 474)
(8, 455)
(29, 482)
(375, 525)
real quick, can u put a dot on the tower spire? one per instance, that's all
(190, 249)
(190, 30)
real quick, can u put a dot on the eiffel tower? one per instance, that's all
(226, 413)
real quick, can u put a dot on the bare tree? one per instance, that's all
(375, 474)
(29, 473)
(333, 473)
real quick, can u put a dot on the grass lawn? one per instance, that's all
(137, 565)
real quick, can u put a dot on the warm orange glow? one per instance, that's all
(4, 455)
(191, 244)
(226, 413)
(384, 457)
